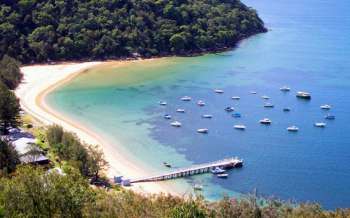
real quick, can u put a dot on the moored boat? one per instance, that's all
(176, 124)
(329, 117)
(198, 187)
(265, 97)
(229, 109)
(222, 175)
(217, 170)
(236, 115)
(253, 92)
(269, 105)
(186, 98)
(219, 91)
(208, 116)
(200, 103)
(326, 107)
(285, 89)
(167, 164)
(180, 110)
(204, 130)
(167, 116)
(320, 125)
(303, 95)
(236, 97)
(163, 103)
(286, 109)
(293, 129)
(240, 127)
(265, 121)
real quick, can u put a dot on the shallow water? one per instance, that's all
(307, 48)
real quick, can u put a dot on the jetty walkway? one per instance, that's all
(228, 163)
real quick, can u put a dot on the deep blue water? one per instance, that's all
(307, 48)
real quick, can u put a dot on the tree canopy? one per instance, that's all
(42, 30)
(9, 158)
(10, 73)
(9, 109)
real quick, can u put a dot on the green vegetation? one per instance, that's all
(42, 30)
(67, 148)
(9, 158)
(10, 73)
(9, 109)
(32, 192)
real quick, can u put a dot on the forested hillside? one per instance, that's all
(42, 30)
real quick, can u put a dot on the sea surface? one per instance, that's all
(307, 48)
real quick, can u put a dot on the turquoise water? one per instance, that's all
(307, 48)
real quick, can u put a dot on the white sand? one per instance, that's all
(38, 81)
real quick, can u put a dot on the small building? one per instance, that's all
(29, 152)
(126, 182)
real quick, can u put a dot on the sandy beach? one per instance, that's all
(38, 81)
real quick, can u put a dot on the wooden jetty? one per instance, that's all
(228, 163)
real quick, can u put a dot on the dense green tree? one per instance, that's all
(9, 109)
(42, 30)
(9, 158)
(10, 73)
(32, 192)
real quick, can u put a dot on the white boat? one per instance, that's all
(268, 105)
(200, 103)
(163, 103)
(236, 97)
(180, 110)
(320, 124)
(265, 121)
(285, 89)
(303, 95)
(293, 129)
(253, 92)
(329, 117)
(176, 124)
(167, 116)
(240, 127)
(208, 116)
(326, 107)
(222, 175)
(204, 130)
(265, 97)
(229, 109)
(198, 187)
(217, 170)
(186, 98)
(219, 91)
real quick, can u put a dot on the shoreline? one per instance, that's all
(32, 93)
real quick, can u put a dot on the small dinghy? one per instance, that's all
(286, 109)
(236, 97)
(163, 103)
(265, 97)
(176, 124)
(326, 107)
(229, 109)
(236, 115)
(204, 131)
(293, 129)
(201, 103)
(265, 121)
(180, 110)
(186, 98)
(320, 125)
(253, 92)
(207, 116)
(198, 187)
(167, 164)
(329, 117)
(167, 116)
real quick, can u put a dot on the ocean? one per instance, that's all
(307, 48)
